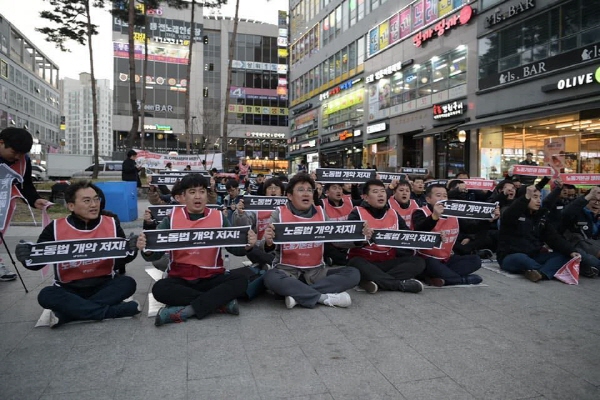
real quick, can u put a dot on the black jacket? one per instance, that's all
(522, 231)
(576, 220)
(130, 172)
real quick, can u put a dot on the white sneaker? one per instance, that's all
(338, 300)
(6, 274)
(290, 302)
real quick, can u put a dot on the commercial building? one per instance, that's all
(29, 90)
(78, 113)
(257, 113)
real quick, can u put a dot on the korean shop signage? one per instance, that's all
(380, 127)
(502, 14)
(333, 91)
(448, 110)
(538, 68)
(441, 27)
(391, 69)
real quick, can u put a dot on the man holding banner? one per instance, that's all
(15, 143)
(383, 267)
(299, 272)
(401, 202)
(197, 283)
(524, 230)
(443, 268)
(86, 288)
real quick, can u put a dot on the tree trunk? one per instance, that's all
(188, 136)
(228, 89)
(144, 73)
(94, 97)
(132, 92)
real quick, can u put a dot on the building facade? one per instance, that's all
(78, 113)
(257, 114)
(29, 90)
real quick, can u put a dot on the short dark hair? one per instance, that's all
(454, 183)
(73, 188)
(176, 190)
(402, 182)
(232, 184)
(299, 178)
(276, 182)
(18, 139)
(328, 185)
(429, 189)
(371, 182)
(193, 181)
(131, 153)
(529, 154)
(260, 175)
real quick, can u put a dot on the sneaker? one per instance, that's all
(368, 286)
(591, 272)
(6, 275)
(230, 308)
(533, 275)
(471, 279)
(485, 254)
(167, 315)
(290, 302)
(338, 300)
(411, 286)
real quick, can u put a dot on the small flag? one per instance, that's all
(569, 273)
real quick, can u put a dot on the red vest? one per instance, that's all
(199, 263)
(405, 213)
(301, 255)
(448, 226)
(338, 213)
(263, 219)
(375, 252)
(77, 270)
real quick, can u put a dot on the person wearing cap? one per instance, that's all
(131, 171)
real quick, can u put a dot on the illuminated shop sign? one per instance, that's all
(440, 28)
(333, 91)
(382, 73)
(158, 127)
(267, 135)
(449, 110)
(575, 81)
(380, 127)
(500, 15)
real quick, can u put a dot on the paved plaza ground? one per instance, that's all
(510, 339)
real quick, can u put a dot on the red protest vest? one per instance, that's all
(338, 213)
(301, 255)
(448, 226)
(375, 252)
(405, 213)
(263, 219)
(200, 263)
(77, 270)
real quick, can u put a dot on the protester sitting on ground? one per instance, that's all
(87, 289)
(234, 195)
(382, 267)
(524, 229)
(504, 193)
(557, 200)
(15, 143)
(580, 225)
(418, 191)
(401, 202)
(197, 282)
(442, 267)
(299, 272)
(260, 184)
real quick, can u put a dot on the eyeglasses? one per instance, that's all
(305, 190)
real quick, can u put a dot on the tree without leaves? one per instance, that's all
(73, 22)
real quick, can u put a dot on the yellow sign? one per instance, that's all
(445, 7)
(343, 102)
(384, 35)
(282, 52)
(139, 37)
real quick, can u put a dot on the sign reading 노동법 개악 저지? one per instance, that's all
(479, 184)
(406, 239)
(387, 177)
(580, 179)
(177, 239)
(309, 232)
(341, 175)
(468, 209)
(263, 203)
(531, 170)
(77, 250)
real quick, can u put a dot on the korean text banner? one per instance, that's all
(468, 209)
(263, 203)
(406, 239)
(341, 175)
(329, 231)
(387, 177)
(176, 239)
(77, 250)
(159, 212)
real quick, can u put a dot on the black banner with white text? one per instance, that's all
(341, 175)
(406, 239)
(77, 250)
(328, 231)
(263, 203)
(468, 209)
(177, 239)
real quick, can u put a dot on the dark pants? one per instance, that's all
(546, 263)
(338, 256)
(93, 303)
(453, 270)
(388, 274)
(483, 240)
(204, 295)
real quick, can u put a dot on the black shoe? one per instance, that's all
(591, 272)
(410, 286)
(368, 286)
(485, 254)
(329, 261)
(533, 275)
(471, 280)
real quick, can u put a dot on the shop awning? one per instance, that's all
(521, 116)
(376, 140)
(437, 129)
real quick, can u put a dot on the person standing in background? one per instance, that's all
(131, 171)
(527, 180)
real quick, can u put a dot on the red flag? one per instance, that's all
(569, 273)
